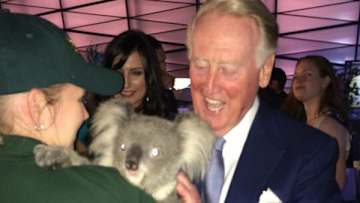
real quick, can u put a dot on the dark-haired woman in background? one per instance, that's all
(314, 98)
(167, 79)
(132, 54)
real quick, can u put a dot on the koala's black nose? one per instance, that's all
(131, 165)
(133, 157)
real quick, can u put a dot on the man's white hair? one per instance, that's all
(243, 8)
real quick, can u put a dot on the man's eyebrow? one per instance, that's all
(197, 59)
(228, 63)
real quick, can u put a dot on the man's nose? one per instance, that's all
(212, 80)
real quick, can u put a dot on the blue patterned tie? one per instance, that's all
(215, 176)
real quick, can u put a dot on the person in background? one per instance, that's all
(132, 54)
(43, 82)
(261, 155)
(315, 98)
(274, 93)
(167, 79)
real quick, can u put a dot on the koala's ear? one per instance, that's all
(112, 114)
(115, 109)
(197, 144)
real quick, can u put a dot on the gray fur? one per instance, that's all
(55, 156)
(121, 136)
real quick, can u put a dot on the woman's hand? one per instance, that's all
(186, 190)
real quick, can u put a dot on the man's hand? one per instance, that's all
(186, 190)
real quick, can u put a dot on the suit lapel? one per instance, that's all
(261, 154)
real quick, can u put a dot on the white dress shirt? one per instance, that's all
(235, 140)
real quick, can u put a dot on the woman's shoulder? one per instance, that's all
(102, 183)
(23, 180)
(335, 129)
(331, 124)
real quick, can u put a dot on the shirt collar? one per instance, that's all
(235, 141)
(244, 124)
(18, 145)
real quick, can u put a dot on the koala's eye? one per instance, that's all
(122, 147)
(154, 152)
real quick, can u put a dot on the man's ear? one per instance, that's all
(41, 112)
(265, 71)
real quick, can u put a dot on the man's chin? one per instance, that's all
(217, 126)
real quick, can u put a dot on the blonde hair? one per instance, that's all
(243, 8)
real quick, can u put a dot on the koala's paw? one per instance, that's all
(1, 140)
(51, 156)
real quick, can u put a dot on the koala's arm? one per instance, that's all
(57, 156)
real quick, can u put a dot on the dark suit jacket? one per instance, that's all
(295, 161)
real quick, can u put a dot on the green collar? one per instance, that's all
(18, 145)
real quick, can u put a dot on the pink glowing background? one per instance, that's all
(325, 27)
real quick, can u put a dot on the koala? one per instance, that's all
(147, 150)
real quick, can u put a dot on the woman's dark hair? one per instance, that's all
(123, 46)
(154, 42)
(331, 101)
(293, 107)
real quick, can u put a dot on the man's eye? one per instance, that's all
(229, 69)
(200, 66)
(200, 63)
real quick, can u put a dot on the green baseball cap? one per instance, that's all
(34, 53)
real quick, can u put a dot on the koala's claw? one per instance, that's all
(51, 156)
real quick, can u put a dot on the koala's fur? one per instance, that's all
(147, 150)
